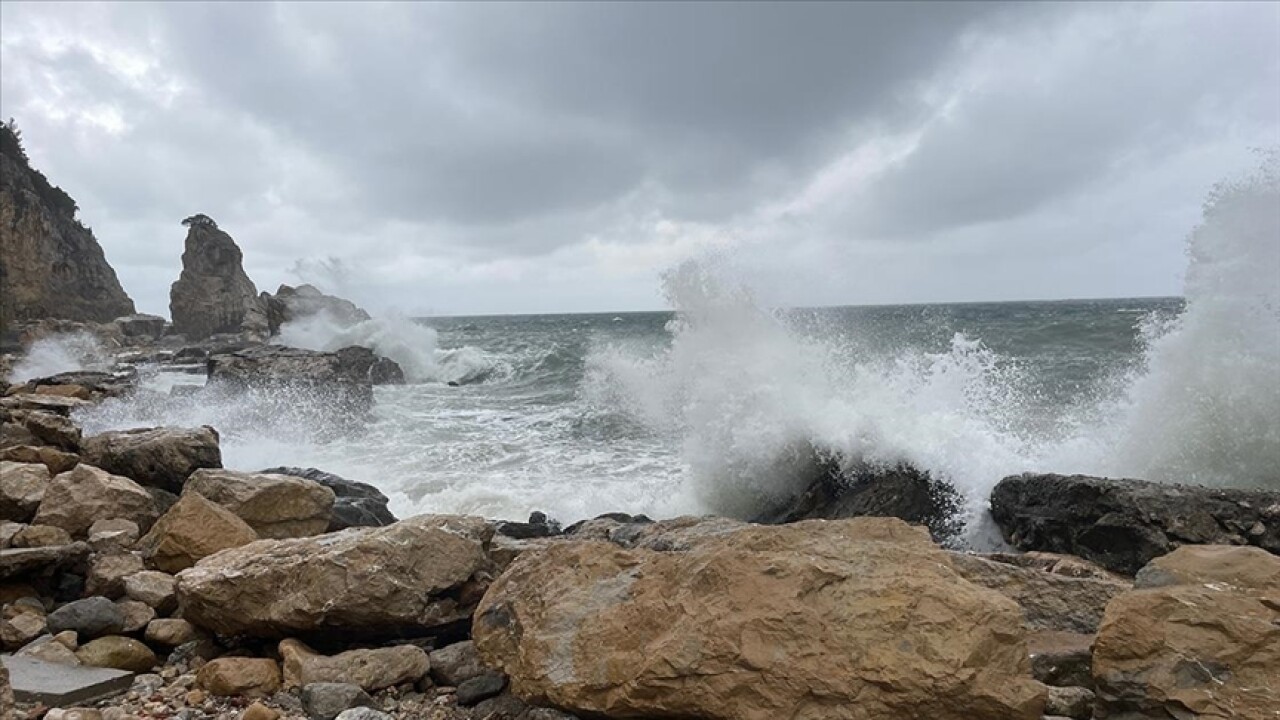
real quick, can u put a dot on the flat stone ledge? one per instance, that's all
(54, 685)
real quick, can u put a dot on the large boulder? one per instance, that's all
(78, 497)
(214, 295)
(290, 303)
(860, 618)
(160, 457)
(1198, 637)
(421, 573)
(22, 487)
(371, 669)
(357, 504)
(53, 266)
(16, 562)
(141, 327)
(194, 528)
(275, 506)
(341, 381)
(57, 461)
(1124, 524)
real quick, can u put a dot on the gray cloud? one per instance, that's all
(489, 157)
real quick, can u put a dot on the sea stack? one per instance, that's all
(214, 295)
(52, 267)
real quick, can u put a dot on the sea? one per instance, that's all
(724, 406)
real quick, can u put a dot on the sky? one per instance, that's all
(489, 158)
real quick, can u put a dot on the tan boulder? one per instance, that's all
(107, 573)
(114, 651)
(275, 506)
(40, 536)
(372, 669)
(161, 457)
(1198, 637)
(419, 573)
(20, 629)
(57, 461)
(250, 677)
(192, 529)
(136, 615)
(78, 497)
(849, 619)
(171, 632)
(50, 652)
(22, 487)
(53, 429)
(156, 589)
(1054, 596)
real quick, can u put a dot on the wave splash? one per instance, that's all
(56, 354)
(757, 405)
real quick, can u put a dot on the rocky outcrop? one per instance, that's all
(77, 498)
(193, 529)
(1124, 524)
(419, 574)
(53, 266)
(213, 295)
(339, 381)
(290, 303)
(859, 618)
(159, 457)
(141, 328)
(357, 504)
(902, 492)
(275, 506)
(1199, 637)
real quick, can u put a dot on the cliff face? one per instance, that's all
(214, 294)
(51, 266)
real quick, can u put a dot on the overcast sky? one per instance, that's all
(488, 158)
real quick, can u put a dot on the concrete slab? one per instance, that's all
(62, 685)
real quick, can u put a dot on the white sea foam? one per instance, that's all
(59, 354)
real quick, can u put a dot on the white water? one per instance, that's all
(59, 354)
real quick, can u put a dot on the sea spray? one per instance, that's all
(55, 354)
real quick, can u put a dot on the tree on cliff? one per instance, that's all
(200, 220)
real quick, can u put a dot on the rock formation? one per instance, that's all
(290, 303)
(213, 295)
(51, 266)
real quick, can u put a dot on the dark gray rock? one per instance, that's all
(1123, 524)
(340, 380)
(326, 701)
(357, 504)
(481, 687)
(56, 685)
(455, 664)
(213, 295)
(539, 525)
(15, 562)
(141, 326)
(90, 618)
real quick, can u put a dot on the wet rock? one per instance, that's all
(1198, 637)
(455, 664)
(357, 504)
(860, 618)
(194, 528)
(340, 379)
(305, 301)
(275, 506)
(405, 578)
(372, 669)
(1049, 600)
(22, 487)
(213, 294)
(250, 677)
(1124, 524)
(89, 618)
(117, 652)
(77, 498)
(141, 327)
(161, 457)
(1061, 659)
(327, 700)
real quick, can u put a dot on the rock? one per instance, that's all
(455, 664)
(258, 711)
(213, 294)
(171, 632)
(114, 535)
(78, 392)
(53, 267)
(861, 618)
(15, 562)
(1061, 659)
(193, 529)
(100, 384)
(57, 461)
(38, 536)
(6, 690)
(337, 384)
(901, 492)
(250, 677)
(418, 574)
(137, 615)
(74, 714)
(327, 700)
(356, 504)
(304, 301)
(53, 429)
(1050, 601)
(107, 573)
(161, 457)
(156, 589)
(275, 506)
(77, 498)
(370, 669)
(481, 687)
(91, 617)
(1070, 702)
(363, 713)
(22, 488)
(141, 326)
(21, 629)
(120, 653)
(50, 652)
(1123, 524)
(1198, 637)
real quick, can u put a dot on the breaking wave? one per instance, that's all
(61, 353)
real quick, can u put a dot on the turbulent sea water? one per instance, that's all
(723, 406)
